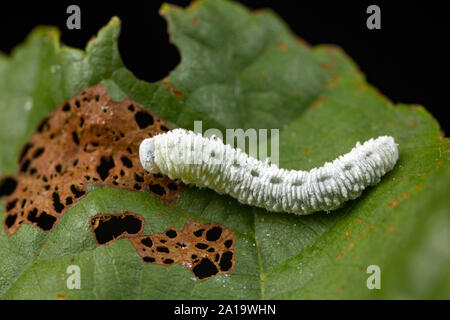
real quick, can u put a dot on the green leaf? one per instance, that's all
(239, 69)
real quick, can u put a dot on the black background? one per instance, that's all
(406, 59)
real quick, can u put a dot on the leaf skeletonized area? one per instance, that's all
(87, 140)
(206, 249)
(257, 74)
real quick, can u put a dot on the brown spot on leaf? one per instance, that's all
(393, 203)
(404, 195)
(282, 46)
(327, 66)
(391, 228)
(340, 255)
(302, 41)
(419, 186)
(330, 66)
(172, 90)
(335, 79)
(89, 139)
(318, 102)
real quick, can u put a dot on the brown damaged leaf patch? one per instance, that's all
(206, 249)
(87, 140)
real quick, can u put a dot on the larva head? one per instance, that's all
(391, 148)
(385, 147)
(147, 155)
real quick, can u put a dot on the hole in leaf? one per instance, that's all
(205, 269)
(226, 261)
(109, 227)
(42, 219)
(159, 190)
(7, 186)
(143, 119)
(103, 168)
(213, 234)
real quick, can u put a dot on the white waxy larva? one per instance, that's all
(207, 162)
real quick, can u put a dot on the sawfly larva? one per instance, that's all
(208, 162)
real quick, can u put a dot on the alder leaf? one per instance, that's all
(239, 69)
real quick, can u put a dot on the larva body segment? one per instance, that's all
(207, 162)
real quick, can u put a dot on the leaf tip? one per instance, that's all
(47, 32)
(115, 20)
(166, 7)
